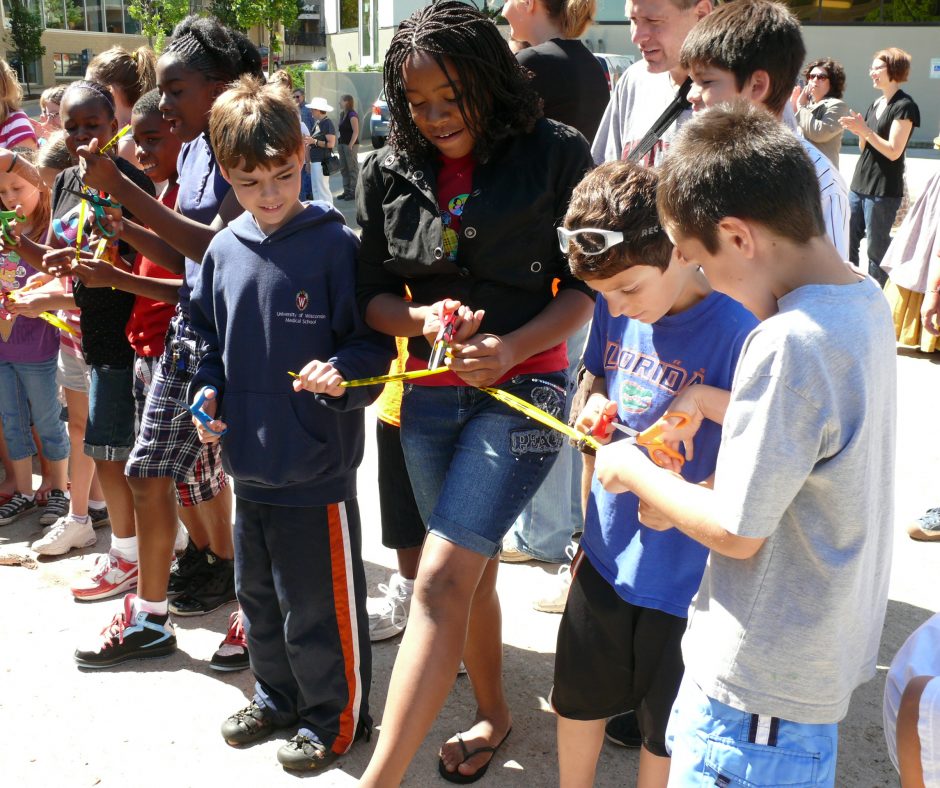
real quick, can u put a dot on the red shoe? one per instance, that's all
(112, 575)
(232, 653)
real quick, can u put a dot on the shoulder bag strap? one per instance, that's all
(676, 107)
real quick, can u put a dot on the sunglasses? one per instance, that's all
(589, 240)
(818, 76)
(48, 115)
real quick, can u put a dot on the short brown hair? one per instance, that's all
(574, 16)
(747, 36)
(252, 124)
(834, 70)
(897, 61)
(737, 160)
(618, 196)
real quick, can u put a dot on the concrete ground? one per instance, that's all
(156, 723)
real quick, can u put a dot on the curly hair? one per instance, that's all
(206, 45)
(836, 75)
(496, 98)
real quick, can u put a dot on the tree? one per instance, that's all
(25, 35)
(269, 15)
(226, 12)
(157, 18)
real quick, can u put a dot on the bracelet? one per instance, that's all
(16, 155)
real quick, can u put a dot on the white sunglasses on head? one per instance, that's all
(589, 240)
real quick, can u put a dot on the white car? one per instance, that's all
(614, 66)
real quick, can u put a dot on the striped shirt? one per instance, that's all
(16, 130)
(835, 198)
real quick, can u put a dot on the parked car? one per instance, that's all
(614, 66)
(378, 122)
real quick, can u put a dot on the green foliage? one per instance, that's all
(25, 34)
(226, 11)
(157, 18)
(74, 18)
(267, 14)
(297, 75)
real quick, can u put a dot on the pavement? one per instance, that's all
(157, 722)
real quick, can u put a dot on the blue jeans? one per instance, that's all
(544, 528)
(714, 744)
(873, 217)
(28, 392)
(109, 434)
(474, 462)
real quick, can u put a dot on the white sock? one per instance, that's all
(143, 606)
(30, 497)
(96, 504)
(79, 518)
(126, 547)
(406, 585)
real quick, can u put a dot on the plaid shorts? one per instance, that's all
(168, 446)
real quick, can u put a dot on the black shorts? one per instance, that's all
(613, 656)
(402, 526)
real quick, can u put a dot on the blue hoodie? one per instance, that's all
(269, 304)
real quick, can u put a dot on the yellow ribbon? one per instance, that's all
(380, 379)
(115, 139)
(540, 416)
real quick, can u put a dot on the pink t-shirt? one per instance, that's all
(17, 129)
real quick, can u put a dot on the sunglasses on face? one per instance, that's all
(589, 240)
(48, 115)
(819, 76)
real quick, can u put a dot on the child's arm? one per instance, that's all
(693, 509)
(188, 237)
(100, 273)
(148, 243)
(31, 304)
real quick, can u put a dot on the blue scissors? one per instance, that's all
(196, 410)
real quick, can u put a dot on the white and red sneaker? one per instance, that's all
(112, 575)
(232, 653)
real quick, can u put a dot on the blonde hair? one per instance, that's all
(11, 94)
(135, 73)
(39, 219)
(282, 77)
(53, 94)
(252, 124)
(574, 16)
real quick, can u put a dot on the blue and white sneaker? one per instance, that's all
(130, 636)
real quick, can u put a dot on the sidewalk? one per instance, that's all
(156, 723)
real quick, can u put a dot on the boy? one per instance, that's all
(754, 50)
(657, 328)
(787, 620)
(264, 305)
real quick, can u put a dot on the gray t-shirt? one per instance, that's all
(807, 462)
(635, 105)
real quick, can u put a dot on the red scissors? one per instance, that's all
(651, 438)
(445, 336)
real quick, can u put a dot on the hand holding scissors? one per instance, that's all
(652, 438)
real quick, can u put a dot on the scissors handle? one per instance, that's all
(204, 418)
(652, 437)
(444, 337)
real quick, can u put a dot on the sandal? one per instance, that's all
(463, 779)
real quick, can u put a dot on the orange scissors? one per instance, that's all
(651, 438)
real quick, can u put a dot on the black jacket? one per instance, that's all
(508, 256)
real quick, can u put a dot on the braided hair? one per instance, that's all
(496, 99)
(206, 45)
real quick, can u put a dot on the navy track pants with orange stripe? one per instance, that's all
(301, 585)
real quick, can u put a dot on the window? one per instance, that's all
(348, 14)
(69, 64)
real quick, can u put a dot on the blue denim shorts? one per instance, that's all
(716, 745)
(474, 462)
(109, 434)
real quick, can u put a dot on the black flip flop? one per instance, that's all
(464, 779)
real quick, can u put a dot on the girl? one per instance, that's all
(28, 351)
(194, 69)
(128, 75)
(463, 206)
(16, 130)
(348, 146)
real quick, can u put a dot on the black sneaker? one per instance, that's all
(99, 517)
(305, 752)
(624, 730)
(130, 637)
(56, 507)
(232, 653)
(15, 508)
(185, 567)
(247, 725)
(213, 587)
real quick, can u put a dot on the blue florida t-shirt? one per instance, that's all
(645, 367)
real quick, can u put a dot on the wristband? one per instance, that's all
(16, 155)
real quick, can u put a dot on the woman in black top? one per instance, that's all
(883, 135)
(564, 72)
(349, 131)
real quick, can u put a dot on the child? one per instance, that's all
(28, 351)
(263, 305)
(470, 162)
(200, 60)
(787, 620)
(754, 49)
(16, 130)
(657, 328)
